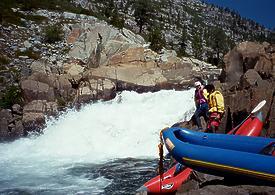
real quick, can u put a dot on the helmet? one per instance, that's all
(210, 88)
(197, 84)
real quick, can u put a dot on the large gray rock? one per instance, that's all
(5, 118)
(17, 109)
(41, 106)
(95, 89)
(35, 90)
(250, 78)
(41, 86)
(129, 56)
(112, 41)
(273, 64)
(73, 69)
(245, 56)
(132, 74)
(63, 87)
(10, 125)
(18, 130)
(41, 66)
(233, 65)
(35, 112)
(33, 121)
(251, 49)
(264, 66)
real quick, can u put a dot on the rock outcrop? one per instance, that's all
(11, 126)
(249, 75)
(249, 55)
(248, 80)
(35, 112)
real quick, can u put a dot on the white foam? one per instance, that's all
(127, 126)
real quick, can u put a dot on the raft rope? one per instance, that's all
(160, 168)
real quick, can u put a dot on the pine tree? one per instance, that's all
(109, 7)
(271, 37)
(218, 41)
(183, 42)
(143, 12)
(197, 45)
(156, 38)
(117, 19)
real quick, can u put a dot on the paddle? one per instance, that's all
(256, 109)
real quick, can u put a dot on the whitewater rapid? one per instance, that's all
(127, 126)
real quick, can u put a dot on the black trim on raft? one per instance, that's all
(227, 168)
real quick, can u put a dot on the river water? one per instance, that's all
(103, 148)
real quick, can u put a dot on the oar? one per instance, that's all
(256, 109)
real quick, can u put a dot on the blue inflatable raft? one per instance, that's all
(221, 154)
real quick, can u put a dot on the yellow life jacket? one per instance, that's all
(216, 102)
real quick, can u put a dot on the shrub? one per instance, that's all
(29, 52)
(117, 21)
(2, 80)
(15, 74)
(53, 33)
(61, 102)
(12, 96)
(36, 18)
(4, 60)
(9, 17)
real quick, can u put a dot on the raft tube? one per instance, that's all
(221, 154)
(171, 180)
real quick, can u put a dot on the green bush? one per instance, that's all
(7, 16)
(16, 75)
(117, 21)
(11, 96)
(61, 102)
(4, 60)
(36, 18)
(30, 53)
(53, 33)
(2, 80)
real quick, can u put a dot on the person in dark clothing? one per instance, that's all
(201, 104)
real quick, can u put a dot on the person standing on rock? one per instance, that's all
(201, 104)
(216, 108)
